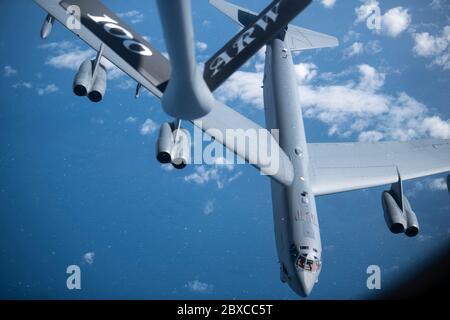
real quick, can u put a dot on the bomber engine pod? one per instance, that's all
(165, 144)
(83, 78)
(90, 81)
(393, 215)
(412, 224)
(98, 88)
(181, 152)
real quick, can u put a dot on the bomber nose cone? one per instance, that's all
(307, 281)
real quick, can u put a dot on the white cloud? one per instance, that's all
(9, 71)
(247, 86)
(438, 184)
(212, 173)
(167, 167)
(365, 10)
(360, 107)
(200, 287)
(437, 127)
(370, 78)
(41, 91)
(439, 4)
(328, 3)
(434, 46)
(436, 4)
(243, 85)
(357, 106)
(22, 84)
(305, 72)
(131, 119)
(203, 175)
(60, 47)
(427, 183)
(148, 127)
(370, 136)
(126, 84)
(50, 88)
(355, 49)
(133, 16)
(358, 48)
(97, 121)
(70, 60)
(423, 237)
(68, 55)
(88, 257)
(393, 23)
(351, 35)
(209, 207)
(235, 177)
(201, 46)
(373, 47)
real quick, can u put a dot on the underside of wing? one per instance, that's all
(105, 32)
(339, 167)
(270, 159)
(129, 51)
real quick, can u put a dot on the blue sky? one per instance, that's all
(79, 182)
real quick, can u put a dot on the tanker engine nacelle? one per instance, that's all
(397, 219)
(173, 146)
(90, 81)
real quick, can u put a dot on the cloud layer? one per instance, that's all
(351, 102)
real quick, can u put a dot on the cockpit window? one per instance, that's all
(305, 258)
(305, 262)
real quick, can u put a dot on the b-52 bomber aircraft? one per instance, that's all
(299, 170)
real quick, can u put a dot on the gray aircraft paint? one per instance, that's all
(325, 167)
(295, 216)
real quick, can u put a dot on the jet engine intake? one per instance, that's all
(90, 83)
(83, 78)
(393, 215)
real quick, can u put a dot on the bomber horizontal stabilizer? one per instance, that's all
(297, 38)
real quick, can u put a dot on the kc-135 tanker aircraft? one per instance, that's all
(302, 170)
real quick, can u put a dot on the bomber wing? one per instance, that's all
(338, 167)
